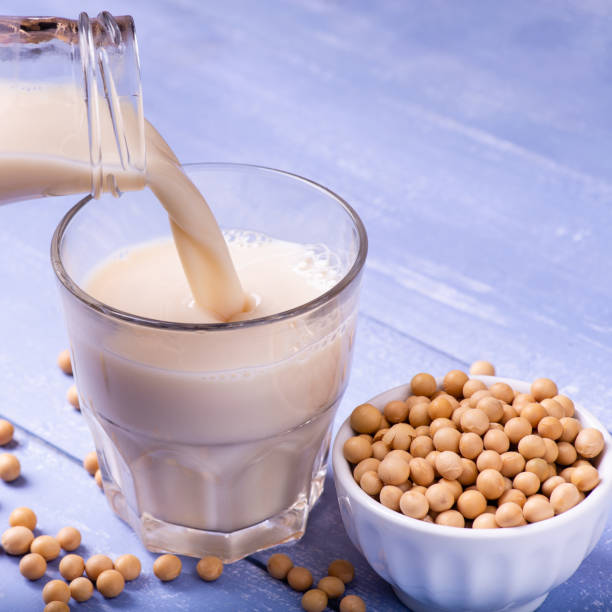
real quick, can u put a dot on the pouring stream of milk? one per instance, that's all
(203, 251)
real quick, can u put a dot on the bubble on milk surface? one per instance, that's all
(245, 238)
(320, 266)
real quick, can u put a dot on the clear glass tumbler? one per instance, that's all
(213, 438)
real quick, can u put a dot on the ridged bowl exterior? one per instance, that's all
(434, 567)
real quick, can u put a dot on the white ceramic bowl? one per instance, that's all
(436, 568)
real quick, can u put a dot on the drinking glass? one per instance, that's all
(213, 438)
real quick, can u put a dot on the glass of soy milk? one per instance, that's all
(213, 436)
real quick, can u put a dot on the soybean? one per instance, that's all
(56, 590)
(299, 578)
(167, 567)
(343, 569)
(485, 368)
(24, 517)
(10, 468)
(279, 566)
(110, 583)
(314, 600)
(33, 566)
(129, 566)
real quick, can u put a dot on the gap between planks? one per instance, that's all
(415, 339)
(44, 441)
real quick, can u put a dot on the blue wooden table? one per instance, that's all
(474, 140)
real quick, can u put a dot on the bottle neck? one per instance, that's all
(112, 90)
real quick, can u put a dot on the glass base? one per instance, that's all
(283, 478)
(160, 536)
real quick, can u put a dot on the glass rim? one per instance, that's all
(115, 313)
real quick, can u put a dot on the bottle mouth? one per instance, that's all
(36, 30)
(112, 91)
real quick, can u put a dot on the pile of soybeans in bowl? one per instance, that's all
(472, 455)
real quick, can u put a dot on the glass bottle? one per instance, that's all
(71, 114)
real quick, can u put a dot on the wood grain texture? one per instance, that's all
(472, 138)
